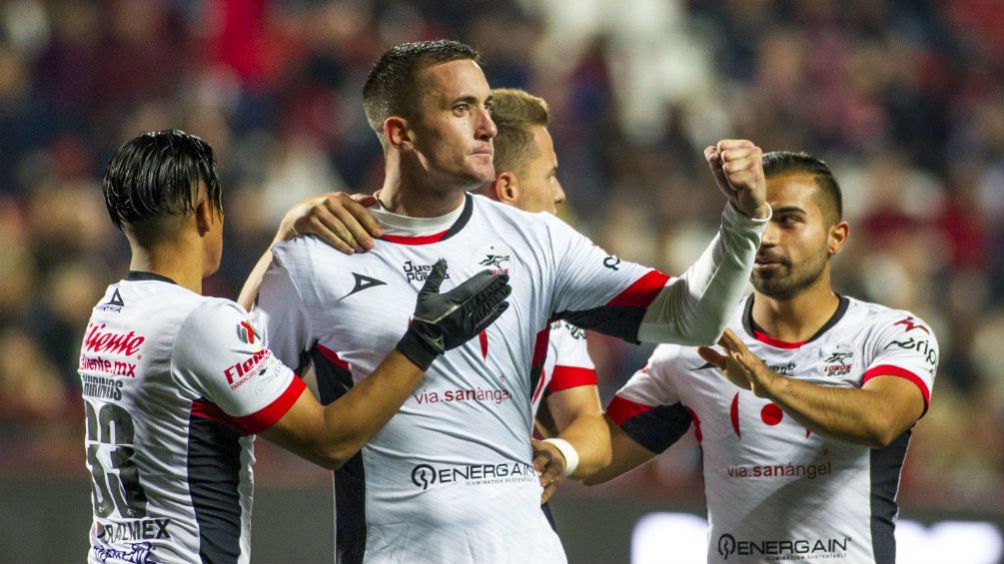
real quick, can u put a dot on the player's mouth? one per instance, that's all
(766, 262)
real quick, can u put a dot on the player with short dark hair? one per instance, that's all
(176, 384)
(802, 459)
(450, 479)
(395, 84)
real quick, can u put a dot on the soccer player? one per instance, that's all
(176, 385)
(802, 460)
(449, 479)
(526, 178)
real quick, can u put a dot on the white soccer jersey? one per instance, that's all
(567, 365)
(174, 385)
(449, 479)
(775, 490)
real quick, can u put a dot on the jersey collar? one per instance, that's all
(757, 333)
(405, 230)
(138, 276)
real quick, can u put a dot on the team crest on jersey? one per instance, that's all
(247, 333)
(495, 257)
(838, 360)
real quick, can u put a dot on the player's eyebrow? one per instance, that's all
(466, 98)
(789, 209)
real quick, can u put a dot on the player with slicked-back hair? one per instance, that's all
(176, 385)
(452, 476)
(804, 439)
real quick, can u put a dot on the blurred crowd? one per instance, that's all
(902, 98)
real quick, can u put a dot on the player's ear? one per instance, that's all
(398, 133)
(205, 216)
(837, 237)
(506, 188)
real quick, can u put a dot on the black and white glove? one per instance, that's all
(448, 320)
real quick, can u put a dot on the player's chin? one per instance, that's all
(482, 173)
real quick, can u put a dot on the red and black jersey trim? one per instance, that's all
(214, 464)
(458, 225)
(334, 379)
(622, 316)
(755, 331)
(886, 465)
(655, 428)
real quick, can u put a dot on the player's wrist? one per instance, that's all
(568, 451)
(418, 349)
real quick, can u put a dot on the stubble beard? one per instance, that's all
(785, 287)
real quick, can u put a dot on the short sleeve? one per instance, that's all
(647, 407)
(281, 315)
(220, 354)
(905, 347)
(572, 367)
(596, 290)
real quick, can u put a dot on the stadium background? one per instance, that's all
(903, 99)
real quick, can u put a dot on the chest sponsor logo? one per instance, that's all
(613, 262)
(496, 257)
(789, 470)
(418, 272)
(478, 394)
(784, 549)
(425, 476)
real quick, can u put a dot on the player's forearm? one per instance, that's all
(250, 290)
(589, 435)
(694, 308)
(625, 455)
(352, 420)
(856, 415)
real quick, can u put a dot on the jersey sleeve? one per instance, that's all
(647, 408)
(905, 347)
(280, 313)
(573, 367)
(598, 291)
(220, 355)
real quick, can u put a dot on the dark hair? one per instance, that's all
(392, 85)
(783, 162)
(156, 175)
(514, 112)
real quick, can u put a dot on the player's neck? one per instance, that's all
(183, 266)
(798, 318)
(412, 194)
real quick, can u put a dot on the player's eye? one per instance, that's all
(461, 109)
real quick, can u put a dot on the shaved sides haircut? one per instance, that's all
(777, 163)
(393, 88)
